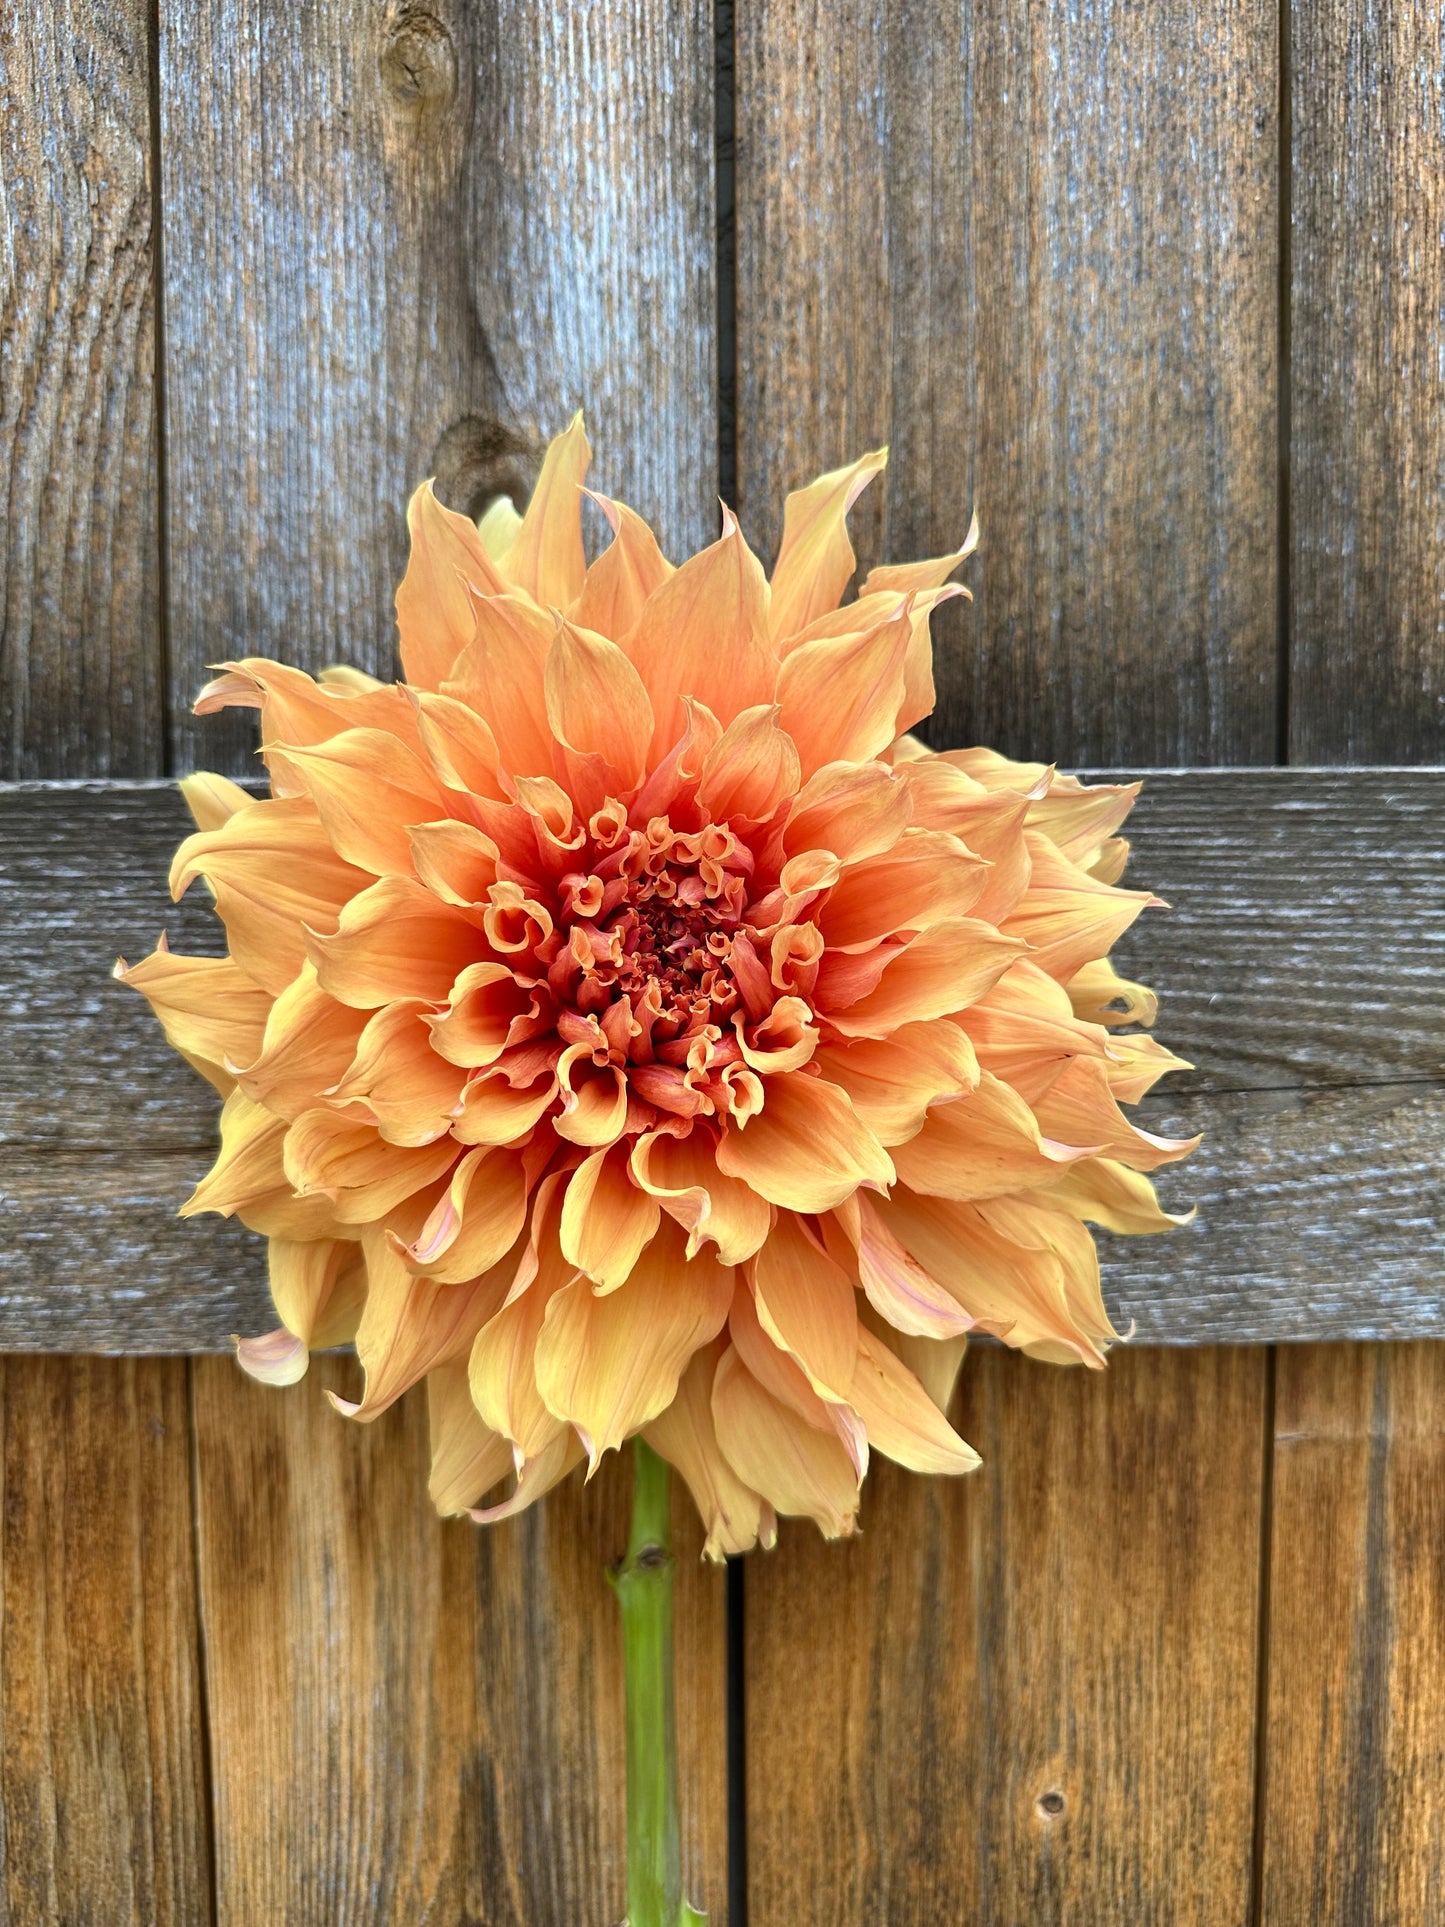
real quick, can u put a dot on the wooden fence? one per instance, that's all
(1162, 287)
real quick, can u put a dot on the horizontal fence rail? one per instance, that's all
(1299, 967)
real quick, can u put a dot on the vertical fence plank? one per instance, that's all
(1352, 1832)
(449, 1700)
(80, 671)
(1027, 1695)
(1035, 249)
(1367, 669)
(102, 1789)
(411, 239)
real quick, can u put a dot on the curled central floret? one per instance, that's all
(649, 945)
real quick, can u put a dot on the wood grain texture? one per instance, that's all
(449, 1700)
(381, 262)
(1026, 1695)
(103, 1811)
(1033, 248)
(1352, 1833)
(1367, 448)
(80, 660)
(1298, 972)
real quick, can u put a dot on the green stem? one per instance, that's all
(643, 1584)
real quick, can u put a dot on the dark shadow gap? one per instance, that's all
(1284, 563)
(1261, 1663)
(163, 497)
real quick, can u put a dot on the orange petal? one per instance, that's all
(934, 1362)
(607, 1219)
(941, 971)
(685, 1436)
(981, 1146)
(1024, 1029)
(1081, 821)
(594, 1098)
(212, 799)
(992, 825)
(500, 675)
(369, 790)
(459, 746)
(476, 1220)
(704, 633)
(455, 861)
(1105, 1192)
(840, 697)
(296, 710)
(907, 577)
(538, 1474)
(901, 1420)
(546, 559)
(1134, 1066)
(596, 704)
(395, 940)
(623, 576)
(502, 1372)
(346, 1161)
(309, 1041)
(854, 810)
(434, 605)
(796, 1468)
(682, 1174)
(894, 1081)
(495, 1110)
(318, 1287)
(275, 875)
(608, 1365)
(411, 1325)
(397, 1080)
(486, 1008)
(210, 1010)
(898, 1287)
(807, 1149)
(816, 560)
(275, 1358)
(467, 1457)
(248, 1166)
(806, 1305)
(927, 877)
(1017, 1289)
(1066, 916)
(751, 769)
(1080, 1108)
(1100, 995)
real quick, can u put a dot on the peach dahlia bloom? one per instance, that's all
(629, 1027)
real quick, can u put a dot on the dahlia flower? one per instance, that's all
(630, 1027)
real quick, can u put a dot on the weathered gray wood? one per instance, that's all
(1035, 249)
(80, 658)
(383, 260)
(1299, 969)
(1367, 447)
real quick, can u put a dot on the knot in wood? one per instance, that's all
(419, 63)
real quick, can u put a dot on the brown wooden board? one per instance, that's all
(1297, 971)
(409, 240)
(80, 657)
(1367, 443)
(1034, 249)
(413, 1720)
(1352, 1833)
(103, 1803)
(1026, 1695)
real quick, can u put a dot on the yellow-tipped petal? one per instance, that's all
(545, 558)
(799, 1470)
(607, 1219)
(807, 1149)
(435, 609)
